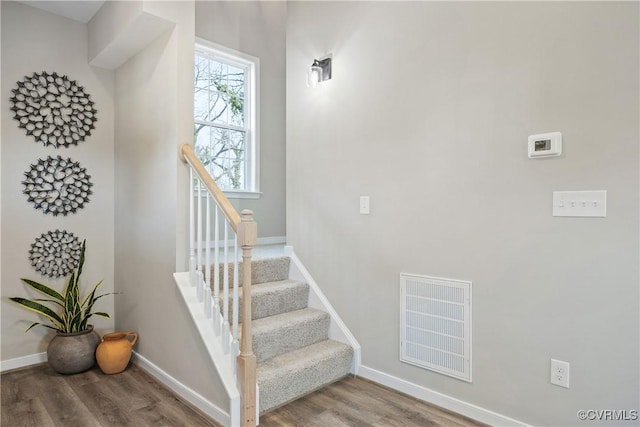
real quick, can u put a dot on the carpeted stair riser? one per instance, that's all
(292, 375)
(287, 332)
(273, 298)
(262, 271)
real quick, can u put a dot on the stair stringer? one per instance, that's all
(211, 341)
(337, 328)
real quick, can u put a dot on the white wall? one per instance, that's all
(428, 112)
(258, 28)
(153, 104)
(35, 41)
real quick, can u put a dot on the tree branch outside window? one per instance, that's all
(220, 131)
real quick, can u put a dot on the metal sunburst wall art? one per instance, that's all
(53, 109)
(57, 186)
(55, 253)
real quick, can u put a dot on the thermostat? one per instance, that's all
(545, 145)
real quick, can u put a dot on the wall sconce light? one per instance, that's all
(319, 71)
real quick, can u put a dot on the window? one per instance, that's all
(225, 117)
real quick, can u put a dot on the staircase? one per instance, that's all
(283, 346)
(290, 339)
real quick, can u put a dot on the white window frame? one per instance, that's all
(252, 101)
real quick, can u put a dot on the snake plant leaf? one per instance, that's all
(99, 313)
(70, 294)
(40, 309)
(89, 300)
(81, 263)
(44, 289)
(90, 306)
(66, 316)
(58, 303)
(104, 295)
(76, 320)
(68, 289)
(39, 324)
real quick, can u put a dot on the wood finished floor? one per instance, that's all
(39, 397)
(359, 402)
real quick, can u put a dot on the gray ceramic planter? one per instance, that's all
(73, 353)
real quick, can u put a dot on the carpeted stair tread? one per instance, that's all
(262, 271)
(275, 335)
(273, 298)
(294, 374)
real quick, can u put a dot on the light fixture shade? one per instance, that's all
(319, 71)
(314, 75)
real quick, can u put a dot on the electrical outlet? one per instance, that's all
(559, 373)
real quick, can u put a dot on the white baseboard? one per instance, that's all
(437, 398)
(21, 362)
(182, 390)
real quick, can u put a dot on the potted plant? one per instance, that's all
(72, 350)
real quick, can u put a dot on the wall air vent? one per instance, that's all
(435, 322)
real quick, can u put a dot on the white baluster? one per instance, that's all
(207, 264)
(199, 287)
(207, 303)
(233, 356)
(217, 325)
(235, 351)
(225, 291)
(236, 274)
(192, 233)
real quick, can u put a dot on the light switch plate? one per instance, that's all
(364, 205)
(580, 203)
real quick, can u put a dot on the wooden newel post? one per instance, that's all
(247, 237)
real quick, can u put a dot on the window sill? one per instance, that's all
(236, 194)
(242, 194)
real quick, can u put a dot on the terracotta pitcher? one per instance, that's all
(114, 352)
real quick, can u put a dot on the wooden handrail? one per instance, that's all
(187, 155)
(246, 230)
